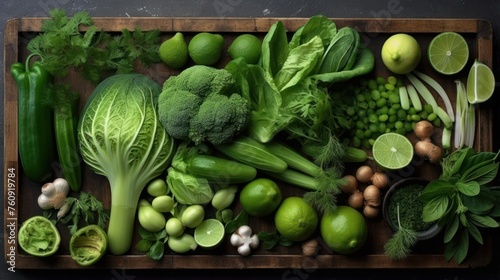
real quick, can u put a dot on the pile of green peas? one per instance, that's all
(373, 107)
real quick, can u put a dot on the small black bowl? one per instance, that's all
(432, 231)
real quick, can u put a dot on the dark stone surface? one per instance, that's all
(487, 9)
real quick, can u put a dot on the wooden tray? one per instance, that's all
(20, 194)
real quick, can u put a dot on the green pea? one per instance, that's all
(389, 86)
(383, 118)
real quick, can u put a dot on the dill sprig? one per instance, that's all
(399, 246)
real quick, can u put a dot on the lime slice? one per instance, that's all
(209, 233)
(480, 83)
(448, 53)
(392, 151)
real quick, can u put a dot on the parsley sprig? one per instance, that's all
(63, 45)
(79, 211)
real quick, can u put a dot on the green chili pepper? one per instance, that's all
(35, 125)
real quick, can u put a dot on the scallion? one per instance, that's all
(440, 90)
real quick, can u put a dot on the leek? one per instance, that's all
(440, 90)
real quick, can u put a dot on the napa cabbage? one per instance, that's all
(121, 138)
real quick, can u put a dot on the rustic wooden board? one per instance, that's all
(20, 194)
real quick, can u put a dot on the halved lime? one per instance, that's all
(480, 83)
(39, 237)
(392, 151)
(448, 53)
(209, 233)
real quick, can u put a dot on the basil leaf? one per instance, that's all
(238, 221)
(463, 219)
(143, 245)
(451, 164)
(483, 221)
(156, 251)
(146, 234)
(451, 248)
(483, 175)
(451, 229)
(435, 209)
(436, 188)
(474, 232)
(476, 161)
(462, 246)
(479, 204)
(470, 189)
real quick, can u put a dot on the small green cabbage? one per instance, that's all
(121, 138)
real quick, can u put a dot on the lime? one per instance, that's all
(295, 219)
(392, 151)
(247, 46)
(209, 233)
(401, 53)
(344, 230)
(174, 52)
(88, 245)
(39, 237)
(448, 53)
(206, 48)
(480, 83)
(260, 197)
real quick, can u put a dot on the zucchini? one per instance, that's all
(253, 153)
(219, 170)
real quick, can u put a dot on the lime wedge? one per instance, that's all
(392, 151)
(480, 83)
(448, 53)
(209, 233)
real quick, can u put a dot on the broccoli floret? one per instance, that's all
(199, 105)
(175, 111)
(201, 80)
(219, 119)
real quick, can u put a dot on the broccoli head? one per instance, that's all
(200, 109)
(201, 80)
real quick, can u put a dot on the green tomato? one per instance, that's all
(174, 227)
(163, 203)
(157, 187)
(192, 216)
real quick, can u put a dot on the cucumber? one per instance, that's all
(219, 170)
(253, 153)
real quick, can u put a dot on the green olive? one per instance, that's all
(223, 198)
(157, 187)
(174, 227)
(163, 203)
(182, 244)
(150, 219)
(192, 216)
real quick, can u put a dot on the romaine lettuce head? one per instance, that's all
(121, 138)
